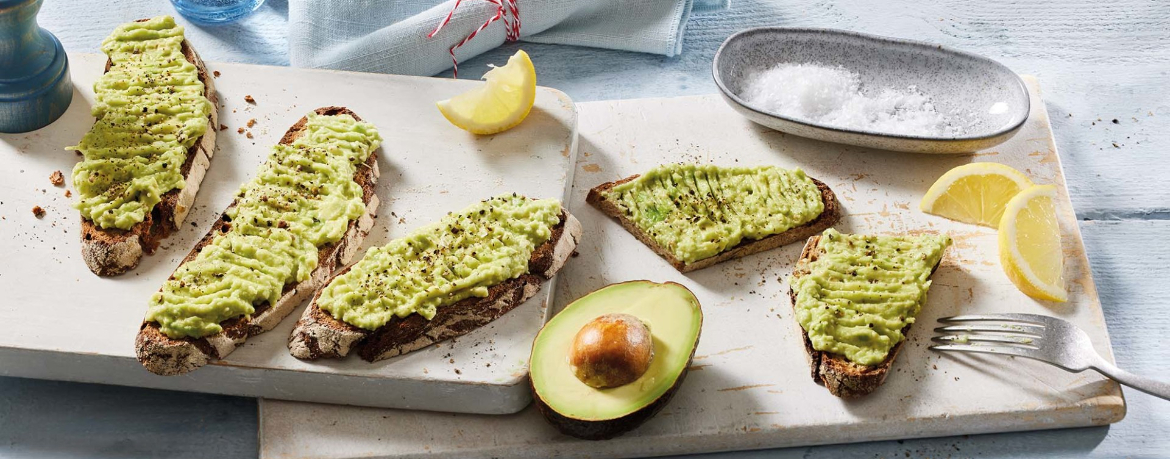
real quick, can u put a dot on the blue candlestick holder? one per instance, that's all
(35, 88)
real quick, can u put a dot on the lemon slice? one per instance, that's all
(1029, 244)
(974, 193)
(500, 104)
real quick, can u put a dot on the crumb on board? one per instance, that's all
(248, 98)
(68, 194)
(240, 131)
(38, 211)
(252, 122)
(223, 127)
(57, 178)
(249, 134)
(215, 73)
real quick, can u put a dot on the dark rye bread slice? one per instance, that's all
(827, 218)
(167, 356)
(841, 377)
(113, 251)
(318, 334)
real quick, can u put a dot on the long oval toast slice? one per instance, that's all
(112, 251)
(837, 373)
(169, 356)
(597, 197)
(319, 335)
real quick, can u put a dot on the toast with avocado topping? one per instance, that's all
(440, 281)
(146, 154)
(855, 298)
(695, 216)
(302, 217)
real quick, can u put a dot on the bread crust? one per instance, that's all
(841, 377)
(169, 356)
(113, 251)
(319, 335)
(827, 218)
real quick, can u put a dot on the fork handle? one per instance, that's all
(1156, 388)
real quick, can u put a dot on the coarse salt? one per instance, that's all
(833, 96)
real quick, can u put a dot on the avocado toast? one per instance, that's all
(855, 298)
(143, 166)
(695, 216)
(291, 227)
(441, 281)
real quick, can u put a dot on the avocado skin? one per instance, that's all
(611, 428)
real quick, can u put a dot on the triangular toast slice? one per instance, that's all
(837, 373)
(602, 198)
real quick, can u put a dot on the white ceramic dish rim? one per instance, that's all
(901, 41)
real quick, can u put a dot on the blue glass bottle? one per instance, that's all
(215, 11)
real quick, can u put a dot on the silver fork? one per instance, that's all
(1047, 339)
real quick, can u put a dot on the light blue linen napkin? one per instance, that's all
(391, 36)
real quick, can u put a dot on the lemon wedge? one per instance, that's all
(1029, 244)
(974, 193)
(500, 104)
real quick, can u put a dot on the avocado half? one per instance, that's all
(675, 319)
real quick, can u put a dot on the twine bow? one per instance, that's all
(504, 8)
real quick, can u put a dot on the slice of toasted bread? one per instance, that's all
(113, 251)
(841, 377)
(827, 218)
(318, 334)
(168, 356)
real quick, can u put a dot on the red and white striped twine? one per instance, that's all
(504, 8)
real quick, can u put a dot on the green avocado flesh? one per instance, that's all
(862, 291)
(303, 197)
(150, 109)
(674, 317)
(699, 211)
(459, 257)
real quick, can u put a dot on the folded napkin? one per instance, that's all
(391, 36)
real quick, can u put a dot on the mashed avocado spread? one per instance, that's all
(862, 291)
(460, 256)
(302, 198)
(150, 109)
(698, 211)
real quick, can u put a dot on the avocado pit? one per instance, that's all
(611, 351)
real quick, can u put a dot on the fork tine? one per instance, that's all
(1032, 319)
(984, 349)
(963, 339)
(1013, 329)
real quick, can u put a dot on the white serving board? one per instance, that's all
(749, 386)
(428, 166)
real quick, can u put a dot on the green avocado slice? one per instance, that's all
(674, 317)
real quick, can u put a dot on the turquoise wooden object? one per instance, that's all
(35, 88)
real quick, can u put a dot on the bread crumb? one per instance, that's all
(68, 193)
(215, 73)
(458, 372)
(223, 127)
(56, 178)
(248, 98)
(240, 131)
(249, 134)
(38, 211)
(252, 122)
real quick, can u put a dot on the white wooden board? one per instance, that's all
(63, 322)
(749, 386)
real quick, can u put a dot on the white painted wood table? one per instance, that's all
(1098, 61)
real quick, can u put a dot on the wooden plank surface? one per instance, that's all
(750, 387)
(1047, 41)
(66, 323)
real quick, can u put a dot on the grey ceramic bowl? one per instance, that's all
(995, 97)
